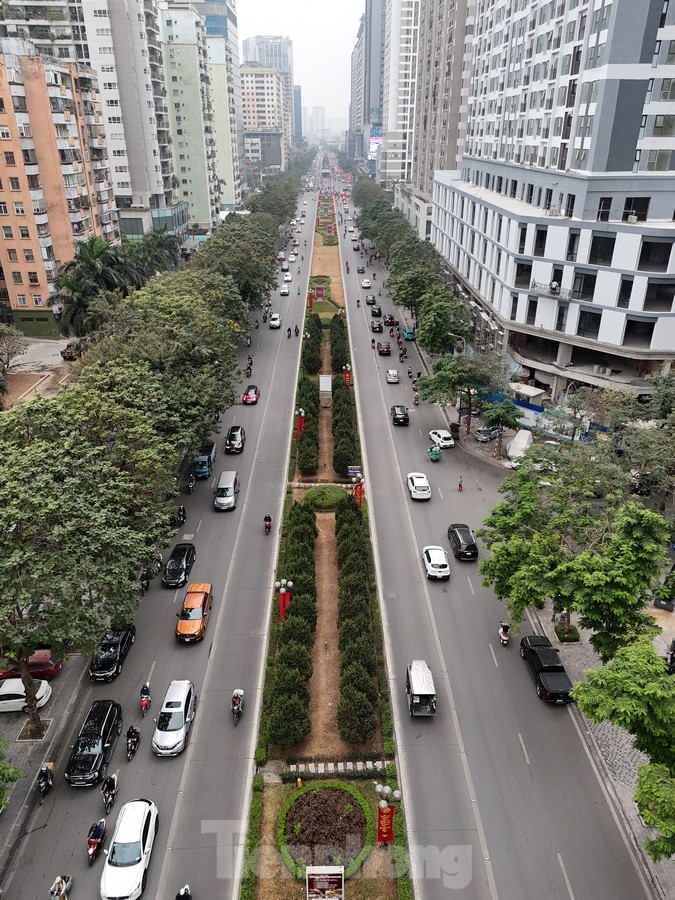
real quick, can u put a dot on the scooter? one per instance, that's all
(248, 341)
(109, 792)
(184, 893)
(133, 740)
(416, 398)
(504, 634)
(181, 515)
(267, 522)
(67, 885)
(239, 708)
(45, 780)
(192, 481)
(145, 700)
(410, 372)
(96, 839)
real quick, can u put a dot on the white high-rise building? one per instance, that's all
(398, 91)
(262, 93)
(276, 52)
(558, 226)
(190, 109)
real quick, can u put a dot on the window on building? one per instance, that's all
(667, 89)
(14, 184)
(670, 58)
(514, 307)
(532, 304)
(7, 232)
(664, 126)
(561, 319)
(589, 324)
(540, 240)
(5, 134)
(3, 209)
(9, 159)
(37, 299)
(654, 256)
(659, 160)
(19, 209)
(636, 206)
(33, 278)
(28, 255)
(17, 278)
(21, 299)
(24, 231)
(12, 255)
(602, 249)
(548, 198)
(625, 290)
(522, 238)
(583, 287)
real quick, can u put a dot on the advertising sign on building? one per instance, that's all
(325, 882)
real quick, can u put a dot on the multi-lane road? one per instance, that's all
(500, 796)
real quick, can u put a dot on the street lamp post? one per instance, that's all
(284, 588)
(357, 489)
(385, 814)
(300, 421)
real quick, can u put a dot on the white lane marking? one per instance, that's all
(199, 525)
(564, 873)
(494, 658)
(522, 747)
(473, 593)
(175, 595)
(152, 669)
(440, 493)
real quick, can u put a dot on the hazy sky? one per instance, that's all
(323, 35)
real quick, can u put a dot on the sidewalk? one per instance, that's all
(611, 748)
(28, 755)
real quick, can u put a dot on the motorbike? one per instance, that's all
(248, 340)
(504, 634)
(248, 370)
(62, 889)
(184, 893)
(374, 276)
(109, 792)
(401, 357)
(298, 270)
(133, 740)
(145, 585)
(358, 301)
(416, 398)
(181, 515)
(297, 331)
(264, 317)
(96, 839)
(298, 292)
(288, 333)
(145, 699)
(237, 709)
(267, 522)
(45, 780)
(434, 453)
(257, 324)
(192, 481)
(410, 374)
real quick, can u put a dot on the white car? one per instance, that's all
(13, 694)
(435, 561)
(304, 203)
(418, 486)
(125, 870)
(292, 258)
(391, 376)
(365, 282)
(351, 229)
(283, 290)
(275, 320)
(442, 438)
(288, 276)
(298, 230)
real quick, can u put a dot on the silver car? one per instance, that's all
(173, 723)
(392, 376)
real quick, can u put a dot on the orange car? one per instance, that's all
(194, 616)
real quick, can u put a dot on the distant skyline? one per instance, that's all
(323, 36)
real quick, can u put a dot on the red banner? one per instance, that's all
(348, 379)
(358, 496)
(385, 825)
(301, 425)
(310, 300)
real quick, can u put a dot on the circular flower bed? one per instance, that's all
(325, 823)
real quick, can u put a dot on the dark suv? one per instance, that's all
(235, 439)
(178, 565)
(462, 541)
(106, 663)
(88, 763)
(399, 415)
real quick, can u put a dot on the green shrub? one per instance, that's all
(351, 629)
(294, 656)
(350, 544)
(304, 607)
(294, 628)
(308, 451)
(355, 717)
(304, 582)
(290, 683)
(289, 721)
(344, 455)
(361, 651)
(355, 676)
(324, 496)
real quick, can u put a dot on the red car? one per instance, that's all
(41, 665)
(251, 394)
(390, 320)
(384, 349)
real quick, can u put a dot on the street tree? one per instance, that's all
(367, 192)
(443, 320)
(12, 343)
(408, 287)
(655, 798)
(501, 414)
(648, 455)
(463, 374)
(8, 775)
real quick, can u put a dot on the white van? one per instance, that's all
(519, 445)
(227, 492)
(419, 689)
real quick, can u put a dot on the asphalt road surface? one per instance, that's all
(500, 796)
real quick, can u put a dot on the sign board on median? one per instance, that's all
(324, 882)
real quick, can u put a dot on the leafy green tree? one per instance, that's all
(8, 775)
(12, 343)
(96, 266)
(442, 320)
(648, 455)
(462, 374)
(366, 192)
(655, 798)
(410, 286)
(501, 414)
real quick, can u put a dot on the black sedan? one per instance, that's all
(370, 299)
(106, 663)
(376, 311)
(462, 541)
(384, 349)
(235, 440)
(179, 564)
(376, 325)
(360, 270)
(93, 748)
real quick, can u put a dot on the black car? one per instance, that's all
(88, 763)
(370, 299)
(360, 270)
(106, 663)
(376, 311)
(376, 325)
(178, 566)
(235, 439)
(551, 681)
(399, 415)
(462, 541)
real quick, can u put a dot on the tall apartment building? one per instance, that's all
(222, 40)
(394, 163)
(441, 88)
(297, 114)
(190, 108)
(55, 184)
(262, 93)
(355, 143)
(274, 51)
(120, 40)
(559, 224)
(366, 105)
